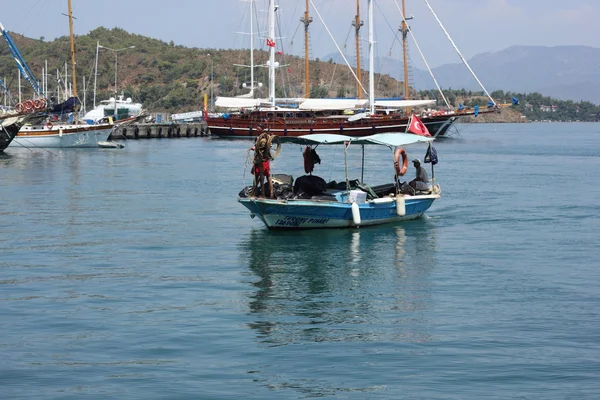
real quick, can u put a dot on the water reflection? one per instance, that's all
(337, 285)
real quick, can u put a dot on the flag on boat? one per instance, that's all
(431, 156)
(417, 127)
(270, 42)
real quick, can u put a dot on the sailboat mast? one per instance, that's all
(272, 52)
(251, 49)
(72, 50)
(357, 25)
(371, 61)
(306, 20)
(404, 30)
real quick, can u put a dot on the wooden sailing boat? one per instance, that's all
(342, 116)
(55, 131)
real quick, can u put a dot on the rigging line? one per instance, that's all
(388, 55)
(283, 73)
(459, 53)
(423, 56)
(338, 47)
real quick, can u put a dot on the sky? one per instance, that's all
(476, 26)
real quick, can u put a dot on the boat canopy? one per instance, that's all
(332, 104)
(403, 103)
(384, 139)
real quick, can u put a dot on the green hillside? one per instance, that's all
(170, 78)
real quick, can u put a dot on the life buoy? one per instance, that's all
(19, 108)
(28, 105)
(49, 125)
(308, 162)
(400, 152)
(37, 104)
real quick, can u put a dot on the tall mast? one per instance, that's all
(251, 49)
(73, 64)
(306, 20)
(404, 29)
(272, 52)
(357, 24)
(371, 61)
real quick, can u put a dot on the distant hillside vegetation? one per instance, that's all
(170, 78)
(167, 77)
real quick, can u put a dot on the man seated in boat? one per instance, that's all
(261, 168)
(420, 183)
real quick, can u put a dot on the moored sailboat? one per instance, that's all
(63, 129)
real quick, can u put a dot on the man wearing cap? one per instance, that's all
(421, 181)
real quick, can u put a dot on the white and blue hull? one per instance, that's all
(313, 214)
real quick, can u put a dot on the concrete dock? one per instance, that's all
(159, 130)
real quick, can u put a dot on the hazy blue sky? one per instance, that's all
(477, 26)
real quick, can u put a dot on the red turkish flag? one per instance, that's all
(418, 127)
(270, 42)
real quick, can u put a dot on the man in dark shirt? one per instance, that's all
(421, 181)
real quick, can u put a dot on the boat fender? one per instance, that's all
(49, 125)
(400, 152)
(400, 206)
(356, 214)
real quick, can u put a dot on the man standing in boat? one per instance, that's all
(262, 163)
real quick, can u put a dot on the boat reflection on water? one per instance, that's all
(340, 285)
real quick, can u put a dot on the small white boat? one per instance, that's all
(351, 204)
(110, 145)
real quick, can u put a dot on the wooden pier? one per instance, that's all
(158, 131)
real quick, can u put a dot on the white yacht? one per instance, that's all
(126, 108)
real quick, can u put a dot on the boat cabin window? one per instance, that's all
(289, 115)
(279, 115)
(270, 115)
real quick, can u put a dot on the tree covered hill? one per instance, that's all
(167, 77)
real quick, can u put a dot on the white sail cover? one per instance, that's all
(332, 104)
(238, 102)
(403, 103)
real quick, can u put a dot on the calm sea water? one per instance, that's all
(135, 274)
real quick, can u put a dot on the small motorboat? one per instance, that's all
(312, 203)
(110, 145)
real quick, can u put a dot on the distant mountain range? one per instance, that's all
(562, 72)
